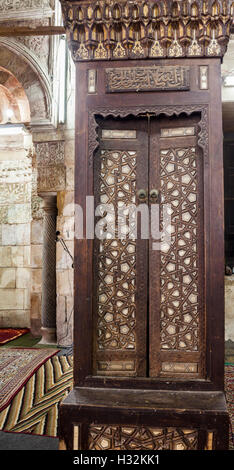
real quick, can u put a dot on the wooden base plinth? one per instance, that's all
(110, 419)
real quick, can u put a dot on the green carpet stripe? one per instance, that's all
(52, 398)
(31, 420)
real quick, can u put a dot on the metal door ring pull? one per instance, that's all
(142, 194)
(154, 193)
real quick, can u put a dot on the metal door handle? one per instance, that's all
(154, 195)
(142, 195)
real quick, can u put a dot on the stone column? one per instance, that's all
(48, 329)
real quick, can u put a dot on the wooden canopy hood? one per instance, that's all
(99, 30)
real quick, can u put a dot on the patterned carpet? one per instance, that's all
(17, 365)
(34, 409)
(229, 391)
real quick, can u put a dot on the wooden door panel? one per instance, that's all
(176, 292)
(121, 263)
(148, 303)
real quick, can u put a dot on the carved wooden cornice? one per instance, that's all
(104, 30)
(168, 110)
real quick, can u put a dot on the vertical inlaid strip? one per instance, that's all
(204, 85)
(76, 438)
(92, 81)
(210, 440)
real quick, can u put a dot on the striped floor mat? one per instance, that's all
(34, 409)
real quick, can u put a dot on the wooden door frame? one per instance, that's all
(214, 319)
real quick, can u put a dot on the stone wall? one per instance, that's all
(15, 219)
(229, 308)
(33, 61)
(55, 170)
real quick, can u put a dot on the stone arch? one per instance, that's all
(25, 66)
(12, 98)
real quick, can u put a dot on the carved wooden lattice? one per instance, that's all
(116, 257)
(141, 438)
(139, 29)
(180, 294)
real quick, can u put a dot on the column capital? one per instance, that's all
(49, 202)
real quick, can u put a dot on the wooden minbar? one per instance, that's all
(149, 297)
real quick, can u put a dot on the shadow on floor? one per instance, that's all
(15, 441)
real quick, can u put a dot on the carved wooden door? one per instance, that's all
(148, 298)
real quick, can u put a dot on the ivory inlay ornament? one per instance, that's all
(210, 439)
(204, 77)
(92, 74)
(141, 438)
(147, 78)
(180, 367)
(214, 48)
(137, 50)
(178, 132)
(115, 366)
(175, 50)
(119, 51)
(76, 438)
(100, 52)
(82, 53)
(194, 49)
(118, 134)
(156, 50)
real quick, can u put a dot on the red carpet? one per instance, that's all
(8, 334)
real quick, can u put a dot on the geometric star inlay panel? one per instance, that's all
(180, 296)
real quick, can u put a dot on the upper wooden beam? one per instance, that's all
(11, 31)
(120, 29)
(42, 30)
